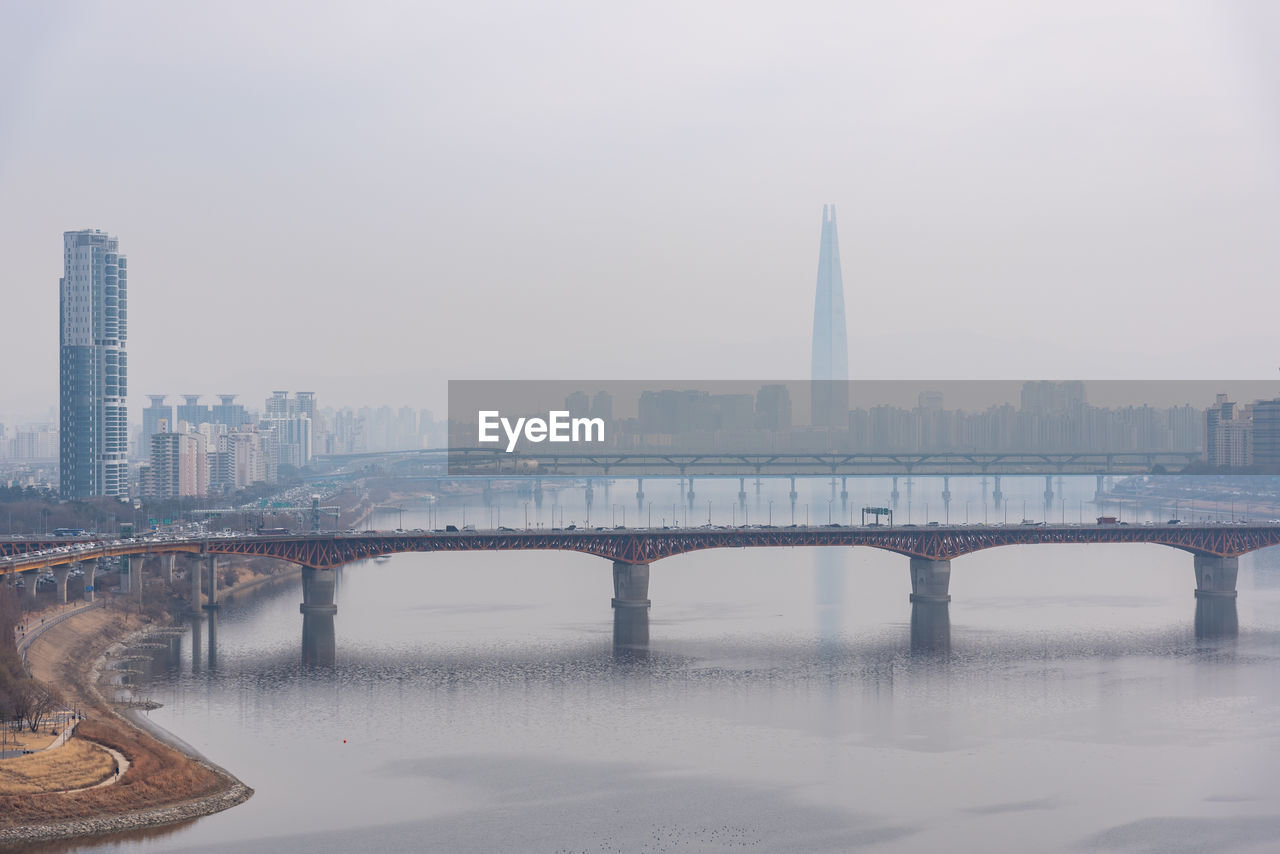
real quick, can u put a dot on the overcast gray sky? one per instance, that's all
(369, 199)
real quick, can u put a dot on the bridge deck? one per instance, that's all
(642, 545)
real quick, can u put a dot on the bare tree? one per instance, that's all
(41, 703)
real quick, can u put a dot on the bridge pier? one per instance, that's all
(1216, 618)
(630, 585)
(946, 497)
(29, 578)
(631, 633)
(488, 493)
(690, 496)
(90, 568)
(930, 627)
(844, 492)
(197, 587)
(640, 493)
(590, 496)
(742, 492)
(537, 493)
(319, 645)
(318, 586)
(997, 497)
(213, 639)
(126, 575)
(1100, 491)
(1048, 496)
(60, 574)
(894, 495)
(213, 583)
(197, 641)
(793, 495)
(930, 580)
(168, 561)
(1216, 576)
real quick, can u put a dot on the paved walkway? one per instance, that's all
(121, 763)
(64, 735)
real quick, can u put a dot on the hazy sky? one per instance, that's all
(366, 200)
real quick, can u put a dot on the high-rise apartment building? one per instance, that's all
(93, 438)
(830, 386)
(157, 417)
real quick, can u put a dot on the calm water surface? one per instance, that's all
(1069, 699)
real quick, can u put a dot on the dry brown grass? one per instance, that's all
(157, 774)
(75, 765)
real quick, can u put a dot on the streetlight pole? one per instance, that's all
(770, 512)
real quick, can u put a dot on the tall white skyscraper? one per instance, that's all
(830, 377)
(93, 423)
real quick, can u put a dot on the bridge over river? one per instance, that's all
(930, 549)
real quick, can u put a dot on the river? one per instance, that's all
(1070, 698)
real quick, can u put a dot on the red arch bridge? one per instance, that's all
(1215, 549)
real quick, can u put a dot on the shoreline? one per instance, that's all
(229, 791)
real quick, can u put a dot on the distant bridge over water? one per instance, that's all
(480, 461)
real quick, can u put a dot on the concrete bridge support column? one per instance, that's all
(630, 585)
(197, 588)
(1216, 576)
(930, 627)
(1100, 490)
(640, 492)
(591, 494)
(90, 568)
(793, 495)
(946, 497)
(997, 497)
(318, 609)
(742, 492)
(213, 582)
(894, 495)
(29, 586)
(60, 574)
(319, 645)
(1048, 496)
(317, 591)
(213, 639)
(691, 496)
(930, 580)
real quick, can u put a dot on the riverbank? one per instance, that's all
(164, 783)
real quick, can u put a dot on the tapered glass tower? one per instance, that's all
(93, 424)
(830, 377)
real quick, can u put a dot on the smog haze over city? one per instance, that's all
(596, 427)
(372, 199)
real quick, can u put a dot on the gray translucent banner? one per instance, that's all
(684, 427)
